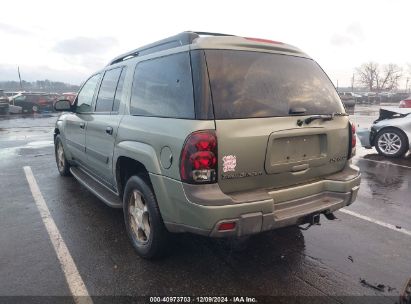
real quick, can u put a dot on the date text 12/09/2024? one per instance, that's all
(204, 299)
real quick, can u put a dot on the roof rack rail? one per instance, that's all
(211, 34)
(183, 38)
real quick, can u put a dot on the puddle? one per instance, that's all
(8, 152)
(14, 151)
(38, 144)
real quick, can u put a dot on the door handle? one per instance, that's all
(82, 125)
(109, 130)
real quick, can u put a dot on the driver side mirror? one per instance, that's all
(62, 105)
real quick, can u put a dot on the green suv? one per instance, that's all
(213, 134)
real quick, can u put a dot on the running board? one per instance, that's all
(103, 193)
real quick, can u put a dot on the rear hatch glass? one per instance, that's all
(260, 143)
(253, 84)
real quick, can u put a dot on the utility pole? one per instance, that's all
(337, 85)
(352, 83)
(406, 85)
(18, 71)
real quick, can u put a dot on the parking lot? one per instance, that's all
(366, 251)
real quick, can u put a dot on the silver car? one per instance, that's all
(390, 134)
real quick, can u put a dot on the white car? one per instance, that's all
(390, 134)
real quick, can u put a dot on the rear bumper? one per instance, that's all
(202, 211)
(364, 136)
(288, 213)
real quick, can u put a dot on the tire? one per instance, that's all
(143, 220)
(392, 143)
(62, 164)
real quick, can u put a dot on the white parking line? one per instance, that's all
(385, 163)
(369, 219)
(77, 287)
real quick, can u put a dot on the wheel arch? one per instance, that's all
(127, 167)
(56, 132)
(134, 158)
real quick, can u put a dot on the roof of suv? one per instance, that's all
(205, 40)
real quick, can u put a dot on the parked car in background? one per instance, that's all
(390, 134)
(4, 103)
(10, 94)
(349, 95)
(34, 102)
(371, 98)
(54, 96)
(348, 98)
(70, 96)
(176, 135)
(386, 96)
(15, 109)
(405, 103)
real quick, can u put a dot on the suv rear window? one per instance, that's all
(248, 84)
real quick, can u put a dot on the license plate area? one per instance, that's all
(285, 153)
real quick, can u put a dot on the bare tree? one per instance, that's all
(389, 78)
(367, 75)
(377, 78)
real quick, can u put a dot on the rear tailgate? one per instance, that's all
(256, 97)
(273, 153)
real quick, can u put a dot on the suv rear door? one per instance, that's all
(260, 100)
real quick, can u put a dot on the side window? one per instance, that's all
(107, 90)
(163, 87)
(85, 96)
(119, 91)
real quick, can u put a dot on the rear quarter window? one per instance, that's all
(163, 87)
(248, 84)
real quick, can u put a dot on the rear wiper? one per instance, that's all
(324, 117)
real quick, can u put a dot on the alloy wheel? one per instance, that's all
(139, 217)
(389, 143)
(60, 157)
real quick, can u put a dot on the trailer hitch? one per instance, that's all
(312, 220)
(330, 216)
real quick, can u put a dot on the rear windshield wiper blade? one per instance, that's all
(324, 117)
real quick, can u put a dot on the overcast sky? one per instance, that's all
(68, 40)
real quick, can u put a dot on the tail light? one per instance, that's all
(226, 226)
(353, 140)
(198, 163)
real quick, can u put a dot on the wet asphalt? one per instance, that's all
(341, 258)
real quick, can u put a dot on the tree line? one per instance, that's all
(39, 86)
(379, 78)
